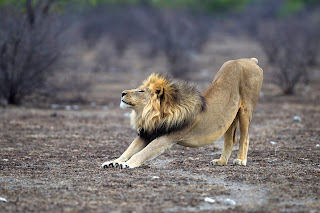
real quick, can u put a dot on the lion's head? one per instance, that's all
(161, 106)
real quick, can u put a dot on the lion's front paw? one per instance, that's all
(108, 164)
(240, 162)
(111, 164)
(115, 164)
(218, 162)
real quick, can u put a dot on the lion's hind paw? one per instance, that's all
(240, 162)
(218, 162)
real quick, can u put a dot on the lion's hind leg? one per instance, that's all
(229, 141)
(245, 115)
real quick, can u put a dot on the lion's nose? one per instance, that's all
(123, 93)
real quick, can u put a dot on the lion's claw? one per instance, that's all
(123, 166)
(120, 165)
(107, 165)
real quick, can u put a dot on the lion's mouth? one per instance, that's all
(127, 103)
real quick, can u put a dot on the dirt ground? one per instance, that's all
(50, 160)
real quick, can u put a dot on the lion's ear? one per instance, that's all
(158, 85)
(160, 92)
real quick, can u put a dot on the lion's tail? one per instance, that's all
(254, 60)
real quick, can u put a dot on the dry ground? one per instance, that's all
(49, 160)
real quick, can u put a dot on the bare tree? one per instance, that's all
(290, 41)
(177, 34)
(291, 46)
(28, 49)
(119, 24)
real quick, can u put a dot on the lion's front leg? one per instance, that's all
(151, 151)
(137, 145)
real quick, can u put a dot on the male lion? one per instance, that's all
(169, 112)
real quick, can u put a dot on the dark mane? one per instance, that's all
(172, 109)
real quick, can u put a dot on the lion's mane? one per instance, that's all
(171, 107)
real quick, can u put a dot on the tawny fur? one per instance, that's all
(167, 112)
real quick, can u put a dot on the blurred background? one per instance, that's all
(56, 53)
(64, 64)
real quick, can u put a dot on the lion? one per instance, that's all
(166, 112)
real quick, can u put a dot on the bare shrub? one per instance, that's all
(177, 34)
(291, 46)
(290, 41)
(28, 49)
(118, 23)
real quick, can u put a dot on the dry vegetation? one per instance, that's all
(29, 48)
(52, 146)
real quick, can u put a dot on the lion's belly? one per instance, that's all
(210, 126)
(201, 138)
(198, 142)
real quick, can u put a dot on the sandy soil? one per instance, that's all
(50, 158)
(50, 162)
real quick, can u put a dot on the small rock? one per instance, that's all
(230, 202)
(93, 104)
(155, 177)
(3, 199)
(6, 160)
(68, 107)
(273, 142)
(273, 161)
(318, 145)
(55, 106)
(75, 107)
(297, 118)
(209, 200)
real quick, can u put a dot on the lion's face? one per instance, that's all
(135, 98)
(150, 93)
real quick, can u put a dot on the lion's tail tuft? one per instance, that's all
(254, 60)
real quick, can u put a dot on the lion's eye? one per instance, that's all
(140, 91)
